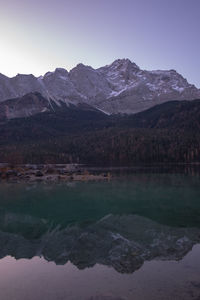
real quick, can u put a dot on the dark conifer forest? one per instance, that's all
(168, 132)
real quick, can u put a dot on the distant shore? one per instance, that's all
(50, 173)
(80, 172)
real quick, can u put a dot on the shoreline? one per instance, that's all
(81, 172)
(50, 173)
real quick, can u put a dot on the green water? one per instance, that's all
(171, 199)
(118, 235)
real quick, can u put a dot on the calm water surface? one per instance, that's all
(135, 237)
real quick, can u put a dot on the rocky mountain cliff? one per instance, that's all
(121, 87)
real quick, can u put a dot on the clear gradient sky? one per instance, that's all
(37, 36)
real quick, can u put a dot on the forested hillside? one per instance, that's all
(166, 133)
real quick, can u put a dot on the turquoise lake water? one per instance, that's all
(136, 236)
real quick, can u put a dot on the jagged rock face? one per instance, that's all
(135, 90)
(34, 103)
(18, 86)
(26, 106)
(120, 74)
(90, 83)
(121, 87)
(58, 87)
(6, 89)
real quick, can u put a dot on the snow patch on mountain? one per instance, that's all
(121, 87)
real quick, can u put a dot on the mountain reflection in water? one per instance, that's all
(123, 242)
(121, 224)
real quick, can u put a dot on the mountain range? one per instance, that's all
(119, 88)
(114, 115)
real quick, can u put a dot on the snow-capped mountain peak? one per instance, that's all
(121, 87)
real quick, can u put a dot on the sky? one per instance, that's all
(41, 35)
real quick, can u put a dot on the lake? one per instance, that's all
(136, 236)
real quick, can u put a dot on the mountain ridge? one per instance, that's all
(121, 87)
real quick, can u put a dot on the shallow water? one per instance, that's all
(135, 237)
